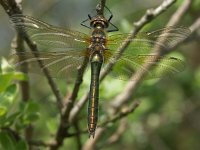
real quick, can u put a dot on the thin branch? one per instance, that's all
(100, 7)
(77, 108)
(18, 46)
(195, 26)
(148, 17)
(177, 16)
(24, 85)
(12, 8)
(78, 136)
(13, 133)
(64, 123)
(108, 120)
(40, 143)
(91, 144)
(122, 114)
(115, 137)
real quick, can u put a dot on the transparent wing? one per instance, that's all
(139, 50)
(127, 65)
(143, 43)
(59, 64)
(50, 37)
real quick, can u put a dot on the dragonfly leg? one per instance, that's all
(109, 20)
(83, 22)
(114, 29)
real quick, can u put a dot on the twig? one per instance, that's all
(177, 16)
(116, 135)
(11, 7)
(100, 7)
(122, 114)
(18, 46)
(64, 123)
(195, 26)
(24, 84)
(148, 17)
(77, 108)
(40, 143)
(108, 120)
(78, 136)
(90, 144)
(13, 133)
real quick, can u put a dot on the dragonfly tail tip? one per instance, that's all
(92, 134)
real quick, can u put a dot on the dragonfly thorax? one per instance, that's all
(96, 47)
(98, 40)
(99, 22)
(98, 36)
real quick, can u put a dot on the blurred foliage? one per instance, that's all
(168, 117)
(14, 114)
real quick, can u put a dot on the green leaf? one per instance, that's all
(5, 80)
(20, 76)
(2, 121)
(29, 113)
(3, 110)
(6, 141)
(31, 118)
(21, 145)
(31, 107)
(7, 97)
(11, 119)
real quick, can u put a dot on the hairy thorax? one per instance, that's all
(98, 41)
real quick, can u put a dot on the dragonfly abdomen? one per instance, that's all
(96, 63)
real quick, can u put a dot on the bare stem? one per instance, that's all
(100, 7)
(122, 114)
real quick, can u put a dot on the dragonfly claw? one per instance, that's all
(91, 134)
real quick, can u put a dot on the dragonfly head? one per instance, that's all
(99, 22)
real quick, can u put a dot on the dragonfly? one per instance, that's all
(63, 51)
